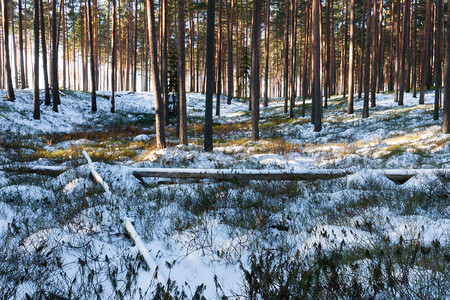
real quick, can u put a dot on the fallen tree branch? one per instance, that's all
(231, 174)
(94, 173)
(396, 175)
(44, 170)
(149, 260)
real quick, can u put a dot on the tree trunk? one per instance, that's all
(26, 43)
(391, 51)
(404, 50)
(293, 56)
(55, 88)
(9, 86)
(64, 44)
(36, 109)
(182, 74)
(317, 97)
(22, 63)
(191, 45)
(367, 61)
(209, 74)
(397, 52)
(159, 113)
(254, 69)
(426, 51)
(266, 53)
(164, 70)
(219, 60)
(44, 54)
(414, 59)
(133, 88)
(113, 58)
(380, 49)
(343, 50)
(13, 33)
(286, 56)
(438, 68)
(327, 52)
(446, 113)
(197, 75)
(373, 88)
(305, 57)
(91, 43)
(363, 41)
(229, 13)
(350, 109)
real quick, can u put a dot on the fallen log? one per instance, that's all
(149, 260)
(231, 174)
(396, 175)
(44, 170)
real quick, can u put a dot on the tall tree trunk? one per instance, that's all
(64, 43)
(164, 70)
(286, 56)
(426, 51)
(9, 86)
(91, 43)
(414, 45)
(367, 61)
(159, 113)
(36, 109)
(305, 57)
(229, 14)
(26, 43)
(446, 112)
(254, 69)
(408, 54)
(113, 58)
(135, 45)
(22, 63)
(363, 41)
(219, 60)
(191, 49)
(209, 74)
(397, 55)
(197, 75)
(182, 75)
(380, 84)
(333, 54)
(343, 51)
(55, 88)
(391, 51)
(373, 88)
(327, 53)
(437, 62)
(316, 93)
(350, 109)
(293, 59)
(404, 50)
(13, 32)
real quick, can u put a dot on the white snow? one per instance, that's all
(198, 246)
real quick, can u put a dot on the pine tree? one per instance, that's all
(9, 86)
(210, 44)
(254, 76)
(317, 96)
(159, 116)
(36, 103)
(181, 75)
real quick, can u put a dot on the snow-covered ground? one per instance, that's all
(69, 234)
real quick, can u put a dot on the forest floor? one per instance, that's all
(361, 235)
